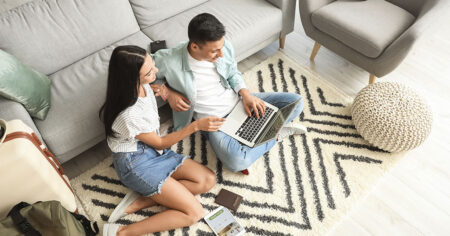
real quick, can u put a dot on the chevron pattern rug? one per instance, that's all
(303, 186)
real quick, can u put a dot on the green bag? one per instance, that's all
(45, 219)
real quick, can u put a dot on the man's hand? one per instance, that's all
(177, 101)
(252, 103)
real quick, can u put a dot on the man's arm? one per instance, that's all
(250, 102)
(160, 87)
(158, 58)
(235, 76)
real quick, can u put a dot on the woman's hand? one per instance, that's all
(160, 90)
(176, 100)
(209, 124)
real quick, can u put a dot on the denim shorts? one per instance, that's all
(145, 170)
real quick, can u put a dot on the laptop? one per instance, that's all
(252, 131)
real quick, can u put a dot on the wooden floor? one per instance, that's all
(414, 198)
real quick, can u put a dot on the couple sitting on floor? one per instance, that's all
(205, 85)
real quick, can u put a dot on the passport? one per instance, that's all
(228, 199)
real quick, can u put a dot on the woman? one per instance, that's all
(142, 159)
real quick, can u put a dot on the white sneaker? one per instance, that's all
(110, 229)
(119, 212)
(290, 129)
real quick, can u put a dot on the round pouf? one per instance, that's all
(391, 116)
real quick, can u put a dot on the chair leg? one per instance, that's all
(315, 50)
(282, 40)
(372, 78)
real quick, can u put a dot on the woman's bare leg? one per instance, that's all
(196, 177)
(185, 210)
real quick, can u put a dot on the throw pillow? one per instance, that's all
(22, 84)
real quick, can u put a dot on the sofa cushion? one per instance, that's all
(49, 35)
(246, 22)
(366, 26)
(77, 93)
(22, 84)
(150, 12)
(7, 5)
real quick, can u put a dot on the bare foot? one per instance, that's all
(140, 203)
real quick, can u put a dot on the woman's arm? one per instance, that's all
(209, 124)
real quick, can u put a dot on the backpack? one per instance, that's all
(48, 218)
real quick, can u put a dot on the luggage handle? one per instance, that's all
(37, 142)
(33, 138)
(48, 153)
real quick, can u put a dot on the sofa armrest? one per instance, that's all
(288, 10)
(11, 110)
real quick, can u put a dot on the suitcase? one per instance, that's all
(29, 172)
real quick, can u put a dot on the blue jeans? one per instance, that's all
(145, 170)
(236, 156)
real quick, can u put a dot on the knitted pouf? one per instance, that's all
(391, 116)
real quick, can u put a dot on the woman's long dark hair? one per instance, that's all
(123, 80)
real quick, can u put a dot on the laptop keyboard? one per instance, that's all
(251, 126)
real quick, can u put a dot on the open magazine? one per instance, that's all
(223, 223)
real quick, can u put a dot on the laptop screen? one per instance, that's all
(278, 122)
(286, 111)
(273, 129)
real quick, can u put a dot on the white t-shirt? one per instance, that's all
(212, 99)
(142, 117)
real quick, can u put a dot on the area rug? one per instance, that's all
(303, 186)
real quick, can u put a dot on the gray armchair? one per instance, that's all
(375, 35)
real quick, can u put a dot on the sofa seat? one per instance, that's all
(77, 93)
(366, 26)
(243, 27)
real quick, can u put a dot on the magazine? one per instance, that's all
(223, 223)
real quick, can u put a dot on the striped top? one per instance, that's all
(142, 117)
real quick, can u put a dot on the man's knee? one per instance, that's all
(237, 164)
(295, 97)
(300, 104)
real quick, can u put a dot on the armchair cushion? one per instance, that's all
(366, 26)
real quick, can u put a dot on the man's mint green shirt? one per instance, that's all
(173, 65)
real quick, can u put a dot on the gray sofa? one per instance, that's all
(71, 41)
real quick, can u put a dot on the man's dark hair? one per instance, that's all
(205, 28)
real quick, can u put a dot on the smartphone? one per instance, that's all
(156, 45)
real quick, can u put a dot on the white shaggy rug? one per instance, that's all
(303, 186)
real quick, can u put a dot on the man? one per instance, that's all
(204, 81)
